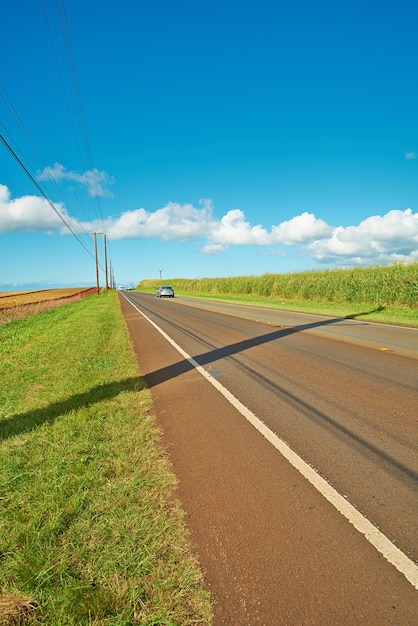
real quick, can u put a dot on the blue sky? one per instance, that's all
(205, 139)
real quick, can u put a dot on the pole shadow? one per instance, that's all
(26, 422)
(365, 448)
(354, 316)
(166, 373)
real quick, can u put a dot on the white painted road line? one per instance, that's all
(373, 535)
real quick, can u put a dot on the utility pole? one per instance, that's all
(161, 273)
(97, 260)
(105, 256)
(112, 280)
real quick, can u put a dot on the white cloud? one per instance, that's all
(410, 155)
(300, 229)
(96, 181)
(379, 239)
(234, 230)
(27, 213)
(174, 222)
(214, 248)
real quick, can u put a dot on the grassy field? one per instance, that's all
(383, 294)
(89, 531)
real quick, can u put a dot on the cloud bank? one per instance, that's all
(379, 239)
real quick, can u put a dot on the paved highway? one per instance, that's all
(295, 442)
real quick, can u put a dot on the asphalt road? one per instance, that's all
(294, 439)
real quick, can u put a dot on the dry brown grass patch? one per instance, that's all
(15, 609)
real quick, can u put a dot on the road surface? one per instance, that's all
(294, 439)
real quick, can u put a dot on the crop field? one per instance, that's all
(19, 298)
(391, 285)
(385, 294)
(18, 304)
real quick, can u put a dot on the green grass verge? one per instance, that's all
(403, 316)
(89, 533)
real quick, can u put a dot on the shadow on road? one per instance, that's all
(171, 371)
(364, 447)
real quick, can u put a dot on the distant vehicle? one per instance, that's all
(121, 288)
(165, 292)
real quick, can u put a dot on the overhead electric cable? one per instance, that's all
(27, 102)
(74, 76)
(67, 102)
(71, 64)
(41, 191)
(32, 144)
(48, 172)
(19, 121)
(77, 92)
(21, 124)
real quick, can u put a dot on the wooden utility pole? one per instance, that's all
(97, 260)
(112, 279)
(105, 256)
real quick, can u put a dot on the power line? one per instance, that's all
(32, 144)
(15, 113)
(13, 109)
(61, 79)
(74, 76)
(76, 88)
(20, 122)
(79, 105)
(41, 191)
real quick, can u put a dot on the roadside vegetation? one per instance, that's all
(90, 532)
(383, 294)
